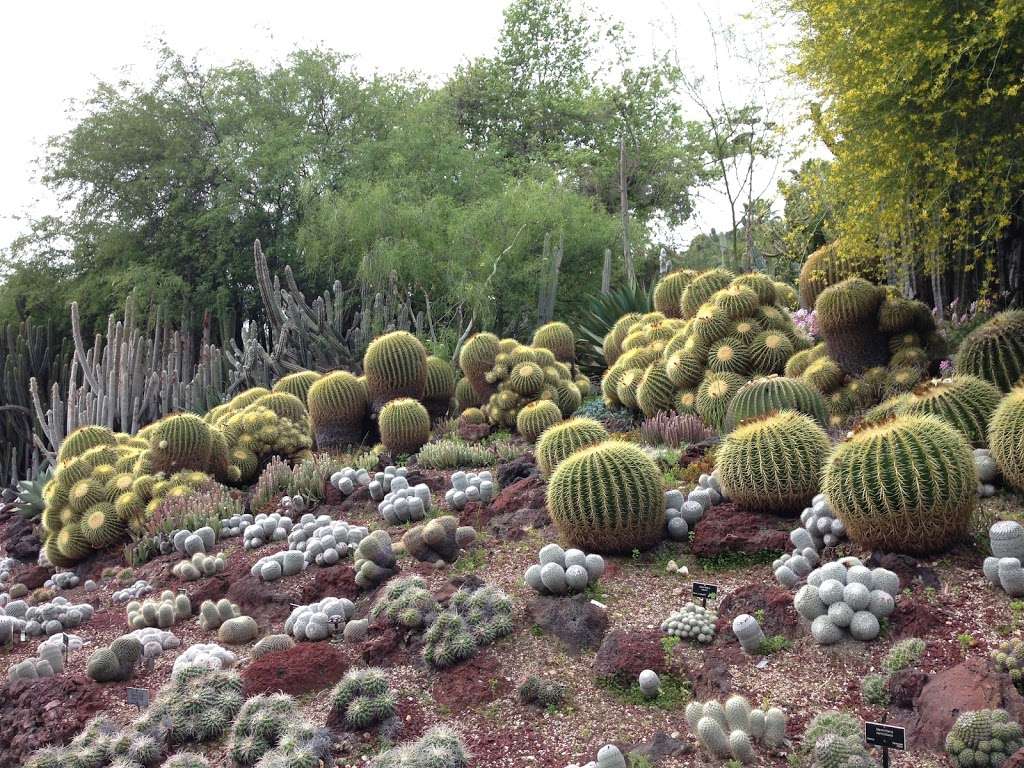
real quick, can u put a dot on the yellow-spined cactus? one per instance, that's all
(404, 425)
(533, 418)
(1006, 437)
(395, 366)
(338, 409)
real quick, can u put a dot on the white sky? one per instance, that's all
(52, 52)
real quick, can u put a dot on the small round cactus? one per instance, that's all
(404, 425)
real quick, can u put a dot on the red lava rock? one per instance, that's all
(33, 577)
(710, 677)
(336, 581)
(625, 654)
(658, 748)
(384, 647)
(35, 713)
(305, 667)
(210, 588)
(476, 681)
(1016, 760)
(908, 568)
(576, 621)
(20, 539)
(729, 528)
(518, 506)
(912, 618)
(780, 618)
(267, 602)
(969, 686)
(435, 479)
(524, 465)
(905, 686)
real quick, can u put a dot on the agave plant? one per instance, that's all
(604, 310)
(30, 494)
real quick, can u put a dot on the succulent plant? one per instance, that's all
(560, 441)
(162, 612)
(701, 288)
(395, 366)
(964, 402)
(668, 292)
(733, 729)
(559, 338)
(608, 498)
(407, 603)
(404, 425)
(476, 359)
(440, 747)
(773, 462)
(197, 704)
(1006, 437)
(542, 693)
(904, 654)
(374, 560)
(995, 350)
(260, 725)
(473, 618)
(238, 630)
(115, 662)
(297, 384)
(180, 441)
(986, 736)
(466, 396)
(440, 387)
(338, 410)
(655, 391)
(769, 351)
(536, 417)
(439, 540)
(826, 266)
(798, 363)
(563, 571)
(318, 621)
(845, 597)
(906, 485)
(771, 394)
(691, 622)
(272, 644)
(362, 698)
(714, 395)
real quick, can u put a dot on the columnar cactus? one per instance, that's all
(1006, 437)
(748, 632)
(608, 498)
(404, 425)
(906, 485)
(995, 350)
(769, 394)
(338, 410)
(773, 462)
(732, 730)
(560, 441)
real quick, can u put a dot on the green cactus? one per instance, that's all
(769, 352)
(404, 425)
(769, 394)
(466, 396)
(526, 379)
(297, 384)
(736, 301)
(709, 324)
(568, 397)
(186, 760)
(536, 417)
(669, 291)
(82, 439)
(559, 338)
(407, 603)
(476, 358)
(261, 723)
(363, 699)
(101, 525)
(655, 392)
(907, 485)
(773, 462)
(849, 304)
(762, 285)
(904, 654)
(798, 363)
(180, 441)
(197, 704)
(72, 544)
(995, 351)
(910, 357)
(561, 440)
(337, 410)
(965, 403)
(85, 494)
(983, 737)
(714, 395)
(608, 498)
(286, 406)
(824, 374)
(728, 355)
(440, 386)
(1006, 437)
(395, 366)
(439, 748)
(825, 267)
(701, 288)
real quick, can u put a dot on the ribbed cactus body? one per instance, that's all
(906, 485)
(568, 397)
(771, 394)
(180, 441)
(559, 338)
(526, 379)
(562, 440)
(762, 286)
(685, 368)
(466, 396)
(729, 354)
(337, 410)
(736, 301)
(669, 291)
(965, 403)
(82, 439)
(702, 288)
(297, 384)
(1006, 437)
(286, 406)
(655, 391)
(396, 366)
(440, 384)
(769, 352)
(101, 526)
(404, 425)
(71, 543)
(712, 737)
(995, 350)
(825, 267)
(798, 363)
(849, 304)
(476, 358)
(710, 324)
(823, 374)
(536, 417)
(773, 462)
(608, 498)
(714, 395)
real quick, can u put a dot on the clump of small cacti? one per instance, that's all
(267, 528)
(819, 528)
(374, 560)
(324, 540)
(473, 618)
(272, 644)
(198, 566)
(988, 735)
(214, 613)
(563, 571)
(317, 621)
(470, 486)
(692, 622)
(287, 562)
(542, 693)
(1008, 657)
(439, 540)
(733, 729)
(161, 612)
(208, 655)
(845, 598)
(407, 603)
(440, 747)
(260, 724)
(115, 662)
(404, 503)
(198, 704)
(363, 699)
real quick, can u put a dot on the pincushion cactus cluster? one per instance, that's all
(103, 743)
(234, 525)
(189, 543)
(317, 621)
(1008, 657)
(473, 618)
(470, 486)
(730, 731)
(139, 589)
(207, 655)
(347, 480)
(440, 747)
(987, 470)
(820, 528)
(48, 661)
(279, 565)
(62, 580)
(845, 599)
(682, 514)
(199, 566)
(259, 726)
(49, 618)
(1003, 568)
(265, 529)
(404, 503)
(563, 571)
(214, 613)
(363, 699)
(439, 540)
(323, 540)
(160, 612)
(408, 604)
(983, 737)
(380, 484)
(116, 662)
(374, 560)
(691, 622)
(197, 704)
(155, 641)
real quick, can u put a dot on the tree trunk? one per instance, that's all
(606, 272)
(627, 255)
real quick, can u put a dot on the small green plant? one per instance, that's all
(537, 631)
(594, 591)
(966, 641)
(674, 692)
(471, 560)
(733, 561)
(669, 642)
(774, 644)
(904, 654)
(640, 761)
(874, 690)
(759, 615)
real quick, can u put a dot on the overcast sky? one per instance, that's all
(53, 52)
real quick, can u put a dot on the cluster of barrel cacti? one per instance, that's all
(324, 540)
(819, 528)
(259, 726)
(563, 571)
(472, 619)
(363, 699)
(994, 351)
(712, 332)
(845, 598)
(438, 541)
(985, 736)
(160, 612)
(691, 622)
(45, 619)
(520, 387)
(732, 730)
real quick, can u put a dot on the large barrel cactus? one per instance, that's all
(180, 441)
(825, 267)
(297, 383)
(714, 395)
(847, 315)
(966, 403)
(82, 439)
(559, 442)
(995, 350)
(769, 394)
(559, 338)
(702, 288)
(1006, 437)
(440, 387)
(404, 425)
(669, 291)
(476, 358)
(906, 485)
(773, 462)
(608, 498)
(337, 410)
(654, 394)
(535, 417)
(396, 366)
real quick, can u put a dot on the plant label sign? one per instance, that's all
(704, 591)
(138, 697)
(885, 736)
